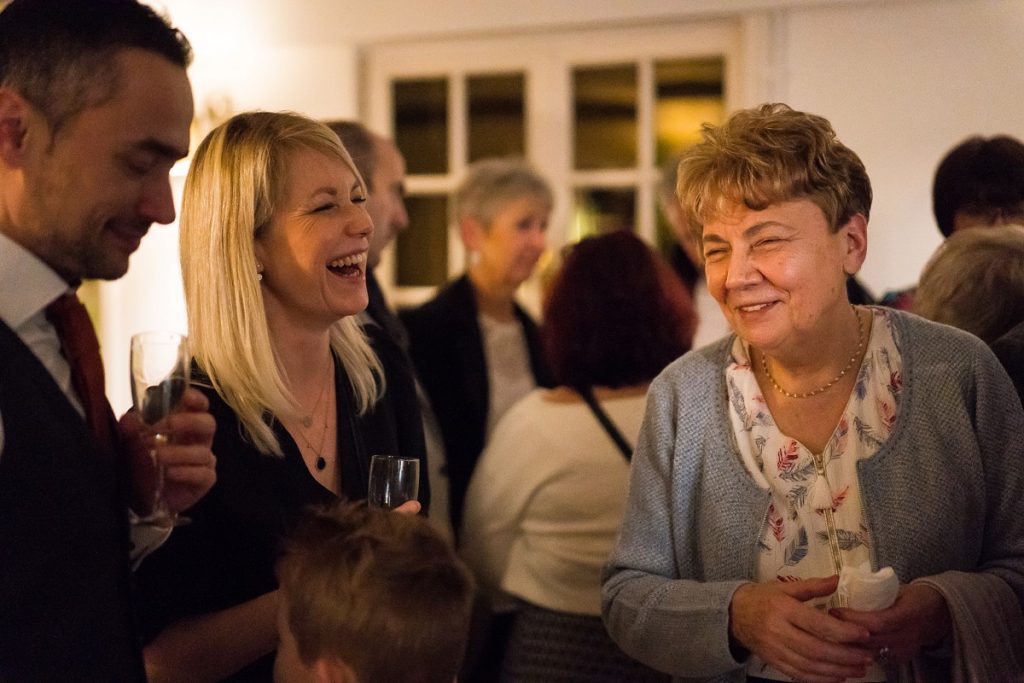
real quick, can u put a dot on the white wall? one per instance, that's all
(902, 81)
(239, 65)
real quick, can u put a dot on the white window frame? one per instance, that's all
(547, 60)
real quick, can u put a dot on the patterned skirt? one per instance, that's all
(558, 647)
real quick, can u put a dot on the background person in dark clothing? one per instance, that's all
(475, 349)
(978, 184)
(383, 169)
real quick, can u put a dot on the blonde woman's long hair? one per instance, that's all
(236, 176)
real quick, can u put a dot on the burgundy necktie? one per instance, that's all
(82, 350)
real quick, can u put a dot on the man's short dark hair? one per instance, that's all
(980, 176)
(361, 146)
(58, 54)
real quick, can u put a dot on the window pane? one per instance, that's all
(421, 124)
(422, 250)
(606, 128)
(689, 93)
(664, 237)
(598, 211)
(496, 120)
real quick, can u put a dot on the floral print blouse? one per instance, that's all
(815, 522)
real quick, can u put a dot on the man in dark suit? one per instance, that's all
(383, 169)
(95, 108)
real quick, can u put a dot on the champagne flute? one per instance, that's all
(393, 481)
(160, 367)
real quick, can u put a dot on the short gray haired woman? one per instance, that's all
(820, 437)
(475, 349)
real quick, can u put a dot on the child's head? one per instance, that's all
(369, 596)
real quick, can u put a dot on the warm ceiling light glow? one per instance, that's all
(678, 120)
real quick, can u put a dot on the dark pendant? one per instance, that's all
(307, 421)
(321, 464)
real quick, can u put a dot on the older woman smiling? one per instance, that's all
(820, 437)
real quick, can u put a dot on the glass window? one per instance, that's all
(605, 104)
(496, 120)
(422, 250)
(599, 114)
(597, 211)
(421, 124)
(689, 93)
(664, 236)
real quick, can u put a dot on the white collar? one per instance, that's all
(27, 284)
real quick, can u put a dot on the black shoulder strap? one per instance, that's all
(606, 422)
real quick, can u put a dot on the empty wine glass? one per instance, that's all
(160, 367)
(393, 481)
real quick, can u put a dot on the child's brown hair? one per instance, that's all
(380, 591)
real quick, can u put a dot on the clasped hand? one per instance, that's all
(774, 621)
(187, 457)
(918, 619)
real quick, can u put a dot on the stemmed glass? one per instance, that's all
(393, 481)
(160, 366)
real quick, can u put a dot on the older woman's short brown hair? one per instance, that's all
(975, 281)
(615, 315)
(769, 155)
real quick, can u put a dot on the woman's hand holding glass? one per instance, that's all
(394, 483)
(774, 621)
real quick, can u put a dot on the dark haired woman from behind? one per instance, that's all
(546, 499)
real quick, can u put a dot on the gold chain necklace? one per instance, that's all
(828, 385)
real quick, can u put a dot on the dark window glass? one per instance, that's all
(664, 237)
(422, 250)
(421, 124)
(601, 210)
(604, 100)
(496, 118)
(689, 93)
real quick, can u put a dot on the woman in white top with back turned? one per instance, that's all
(545, 502)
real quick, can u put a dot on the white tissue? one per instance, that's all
(861, 589)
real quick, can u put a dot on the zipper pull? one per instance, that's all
(821, 494)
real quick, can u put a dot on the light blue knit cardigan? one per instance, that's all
(946, 492)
